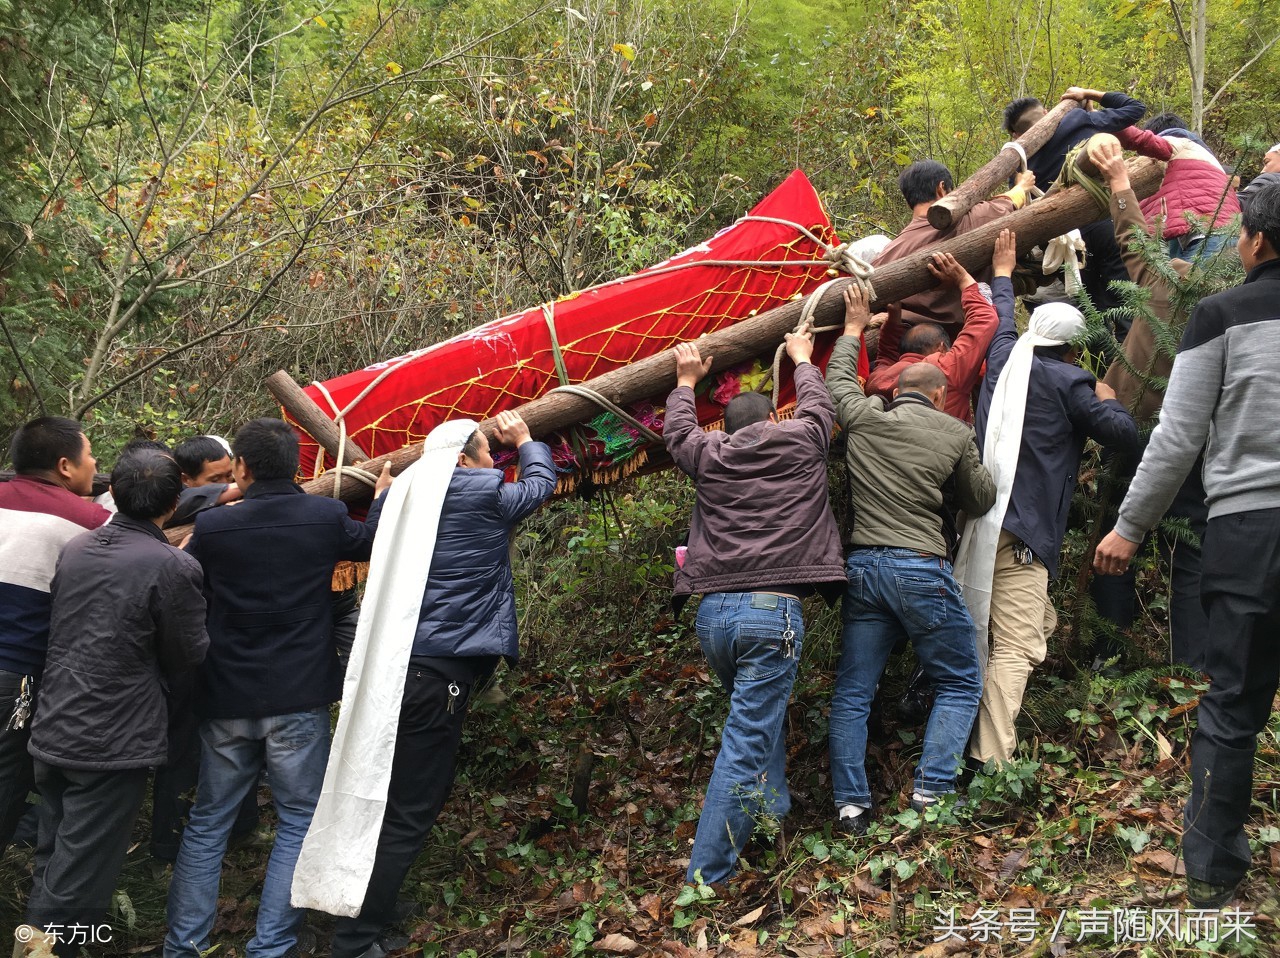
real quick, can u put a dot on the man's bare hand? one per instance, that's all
(948, 271)
(1103, 391)
(1026, 179)
(800, 345)
(1005, 256)
(1083, 94)
(857, 311)
(1108, 157)
(511, 430)
(1114, 554)
(690, 366)
(384, 480)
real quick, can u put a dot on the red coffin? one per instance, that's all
(508, 362)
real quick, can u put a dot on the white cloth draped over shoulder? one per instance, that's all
(1052, 324)
(336, 861)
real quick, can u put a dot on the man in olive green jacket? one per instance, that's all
(902, 458)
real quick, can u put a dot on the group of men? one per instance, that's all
(114, 643)
(219, 661)
(917, 472)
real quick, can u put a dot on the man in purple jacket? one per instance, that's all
(752, 560)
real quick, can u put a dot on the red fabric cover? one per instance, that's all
(1194, 182)
(508, 362)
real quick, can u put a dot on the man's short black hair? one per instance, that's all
(919, 181)
(145, 484)
(1013, 114)
(1261, 214)
(923, 339)
(268, 447)
(1165, 121)
(471, 448)
(140, 443)
(745, 409)
(193, 453)
(42, 443)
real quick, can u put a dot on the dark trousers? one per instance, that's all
(174, 789)
(1104, 264)
(1115, 596)
(1240, 585)
(422, 772)
(79, 857)
(15, 763)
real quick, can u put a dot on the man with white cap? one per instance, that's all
(1035, 412)
(1271, 162)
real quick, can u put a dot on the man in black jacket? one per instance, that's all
(128, 621)
(1036, 410)
(271, 673)
(1115, 112)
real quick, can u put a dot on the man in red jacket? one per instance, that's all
(960, 361)
(41, 509)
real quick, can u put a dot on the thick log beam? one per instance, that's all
(952, 207)
(760, 335)
(312, 418)
(1035, 224)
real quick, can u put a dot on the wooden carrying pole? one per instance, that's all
(312, 418)
(953, 207)
(1035, 224)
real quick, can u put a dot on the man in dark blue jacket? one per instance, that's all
(466, 623)
(270, 676)
(1064, 407)
(1116, 112)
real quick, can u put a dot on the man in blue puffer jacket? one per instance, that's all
(466, 623)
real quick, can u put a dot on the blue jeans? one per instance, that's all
(1204, 247)
(744, 636)
(894, 593)
(295, 750)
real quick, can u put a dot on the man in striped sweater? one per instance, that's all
(41, 510)
(1224, 388)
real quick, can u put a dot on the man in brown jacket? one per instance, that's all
(762, 537)
(1131, 378)
(923, 183)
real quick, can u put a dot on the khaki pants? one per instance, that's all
(1022, 619)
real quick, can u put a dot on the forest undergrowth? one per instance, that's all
(580, 779)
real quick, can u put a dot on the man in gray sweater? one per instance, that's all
(1224, 388)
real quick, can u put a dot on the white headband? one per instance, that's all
(1053, 324)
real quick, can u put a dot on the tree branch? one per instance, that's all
(1235, 76)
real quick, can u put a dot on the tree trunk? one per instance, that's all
(760, 335)
(953, 207)
(1199, 25)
